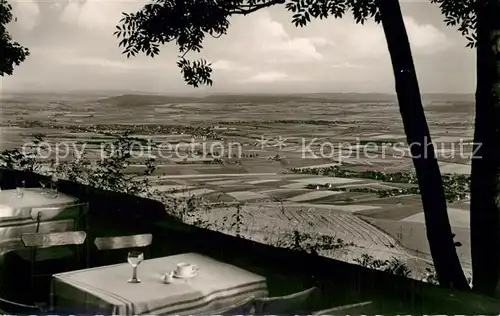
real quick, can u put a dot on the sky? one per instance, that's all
(72, 48)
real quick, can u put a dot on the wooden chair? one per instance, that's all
(12, 308)
(45, 214)
(122, 242)
(36, 241)
(298, 303)
(244, 307)
(351, 309)
(47, 240)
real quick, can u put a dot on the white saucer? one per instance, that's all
(192, 275)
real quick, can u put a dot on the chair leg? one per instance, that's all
(87, 253)
(33, 259)
(32, 263)
(38, 220)
(88, 240)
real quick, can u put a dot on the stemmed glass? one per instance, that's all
(53, 187)
(135, 258)
(43, 184)
(20, 189)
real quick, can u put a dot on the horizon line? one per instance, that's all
(200, 93)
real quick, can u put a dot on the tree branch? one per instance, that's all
(256, 7)
(186, 52)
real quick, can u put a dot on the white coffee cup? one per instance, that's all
(185, 269)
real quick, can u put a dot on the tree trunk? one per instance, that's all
(485, 177)
(446, 262)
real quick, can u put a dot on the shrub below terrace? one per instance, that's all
(394, 265)
(21, 160)
(312, 244)
(110, 174)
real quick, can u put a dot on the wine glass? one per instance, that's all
(135, 258)
(20, 189)
(54, 193)
(43, 184)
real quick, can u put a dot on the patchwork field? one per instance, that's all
(243, 149)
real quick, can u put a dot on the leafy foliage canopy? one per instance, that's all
(188, 22)
(460, 13)
(12, 52)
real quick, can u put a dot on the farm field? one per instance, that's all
(261, 151)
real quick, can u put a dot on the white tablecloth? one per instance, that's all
(15, 215)
(12, 205)
(106, 290)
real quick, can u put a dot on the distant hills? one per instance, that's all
(133, 100)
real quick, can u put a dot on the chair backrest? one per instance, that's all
(46, 240)
(297, 303)
(44, 213)
(351, 309)
(47, 213)
(244, 307)
(121, 242)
